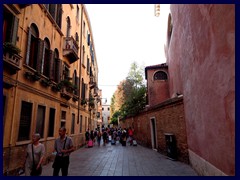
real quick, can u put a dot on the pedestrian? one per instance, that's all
(124, 138)
(105, 137)
(63, 147)
(130, 134)
(87, 136)
(99, 137)
(34, 157)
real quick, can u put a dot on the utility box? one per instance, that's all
(171, 146)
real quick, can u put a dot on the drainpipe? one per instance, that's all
(80, 68)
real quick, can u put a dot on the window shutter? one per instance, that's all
(40, 56)
(28, 46)
(42, 61)
(59, 15)
(51, 66)
(88, 39)
(52, 10)
(77, 83)
(59, 70)
(14, 30)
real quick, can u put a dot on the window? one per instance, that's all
(63, 119)
(76, 37)
(56, 67)
(40, 120)
(81, 118)
(83, 56)
(108, 109)
(68, 27)
(10, 27)
(51, 122)
(73, 123)
(66, 72)
(88, 40)
(83, 95)
(160, 75)
(25, 121)
(77, 16)
(46, 59)
(56, 12)
(83, 30)
(86, 123)
(103, 108)
(33, 44)
(75, 82)
(88, 64)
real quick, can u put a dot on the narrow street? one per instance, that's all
(116, 160)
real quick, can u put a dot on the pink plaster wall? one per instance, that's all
(201, 64)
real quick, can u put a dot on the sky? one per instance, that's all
(123, 34)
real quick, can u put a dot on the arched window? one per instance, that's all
(46, 58)
(68, 26)
(160, 75)
(32, 46)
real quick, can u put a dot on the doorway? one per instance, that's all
(153, 133)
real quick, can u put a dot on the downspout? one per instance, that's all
(80, 68)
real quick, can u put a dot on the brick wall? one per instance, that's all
(169, 118)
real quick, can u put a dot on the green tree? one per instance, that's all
(134, 92)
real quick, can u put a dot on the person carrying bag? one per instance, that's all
(63, 146)
(36, 170)
(34, 157)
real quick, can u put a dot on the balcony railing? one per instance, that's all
(92, 82)
(70, 49)
(66, 93)
(12, 61)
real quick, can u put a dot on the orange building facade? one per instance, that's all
(50, 77)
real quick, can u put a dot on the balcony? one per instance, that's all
(66, 93)
(92, 83)
(70, 49)
(11, 58)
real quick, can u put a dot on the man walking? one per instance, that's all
(63, 147)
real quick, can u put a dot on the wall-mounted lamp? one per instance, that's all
(157, 10)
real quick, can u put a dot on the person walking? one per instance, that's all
(87, 136)
(63, 147)
(99, 137)
(130, 134)
(34, 157)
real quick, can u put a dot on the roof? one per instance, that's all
(157, 66)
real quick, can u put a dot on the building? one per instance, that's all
(201, 62)
(105, 115)
(50, 77)
(194, 99)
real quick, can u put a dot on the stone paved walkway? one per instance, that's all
(116, 160)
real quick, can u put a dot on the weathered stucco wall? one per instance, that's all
(169, 118)
(201, 61)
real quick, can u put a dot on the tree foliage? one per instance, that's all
(133, 91)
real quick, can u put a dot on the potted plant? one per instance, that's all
(11, 48)
(83, 102)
